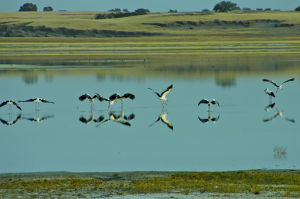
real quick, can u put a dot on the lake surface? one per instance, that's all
(240, 134)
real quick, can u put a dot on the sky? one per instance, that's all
(152, 5)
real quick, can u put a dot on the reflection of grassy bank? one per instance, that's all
(265, 183)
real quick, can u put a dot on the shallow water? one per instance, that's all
(244, 135)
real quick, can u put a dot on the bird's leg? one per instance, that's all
(270, 99)
(37, 106)
(209, 109)
(92, 106)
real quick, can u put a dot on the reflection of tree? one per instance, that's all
(279, 152)
(30, 77)
(225, 80)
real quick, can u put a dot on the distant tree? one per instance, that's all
(28, 7)
(172, 11)
(259, 9)
(225, 6)
(48, 8)
(298, 8)
(267, 9)
(141, 11)
(115, 10)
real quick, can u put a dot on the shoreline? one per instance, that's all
(153, 184)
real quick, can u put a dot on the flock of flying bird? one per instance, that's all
(161, 96)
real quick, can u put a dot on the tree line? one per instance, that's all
(223, 6)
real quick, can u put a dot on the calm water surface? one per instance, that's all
(244, 135)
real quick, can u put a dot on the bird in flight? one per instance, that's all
(278, 86)
(115, 97)
(10, 102)
(37, 101)
(209, 103)
(163, 96)
(92, 99)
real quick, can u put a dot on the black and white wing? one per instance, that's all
(130, 117)
(203, 120)
(84, 96)
(203, 101)
(46, 101)
(114, 96)
(129, 95)
(155, 92)
(29, 100)
(100, 98)
(4, 121)
(289, 80)
(14, 103)
(166, 92)
(272, 82)
(4, 103)
(213, 101)
(164, 120)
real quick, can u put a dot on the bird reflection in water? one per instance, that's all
(279, 152)
(209, 118)
(11, 122)
(163, 118)
(38, 118)
(114, 116)
(269, 107)
(280, 114)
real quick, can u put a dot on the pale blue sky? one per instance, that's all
(152, 5)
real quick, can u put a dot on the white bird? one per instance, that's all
(163, 96)
(209, 103)
(278, 86)
(10, 102)
(37, 101)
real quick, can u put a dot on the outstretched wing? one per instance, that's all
(213, 101)
(46, 101)
(114, 96)
(130, 117)
(164, 120)
(3, 103)
(214, 119)
(84, 96)
(272, 82)
(4, 121)
(289, 80)
(129, 95)
(29, 100)
(100, 119)
(271, 118)
(14, 103)
(203, 101)
(203, 120)
(166, 92)
(15, 121)
(290, 120)
(155, 92)
(100, 98)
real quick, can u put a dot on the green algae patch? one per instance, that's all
(271, 184)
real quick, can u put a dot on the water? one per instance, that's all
(244, 134)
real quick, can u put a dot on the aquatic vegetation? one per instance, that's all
(285, 184)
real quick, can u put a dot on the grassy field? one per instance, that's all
(184, 42)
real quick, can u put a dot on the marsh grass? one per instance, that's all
(248, 182)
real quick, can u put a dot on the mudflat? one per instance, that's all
(153, 184)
